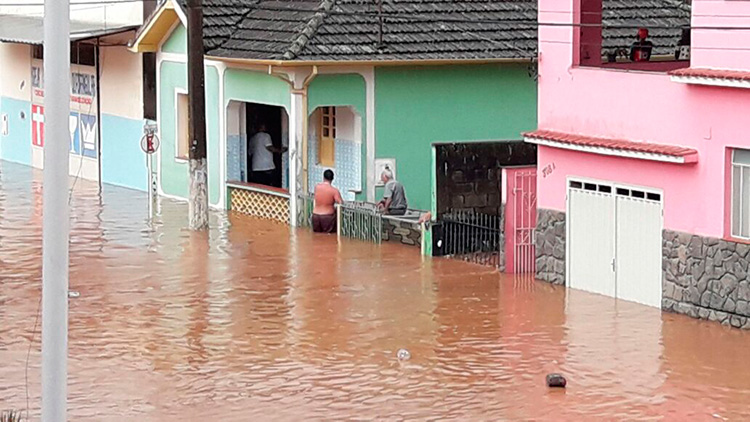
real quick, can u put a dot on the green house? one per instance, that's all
(348, 85)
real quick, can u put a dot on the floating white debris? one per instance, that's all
(403, 354)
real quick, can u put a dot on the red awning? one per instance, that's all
(714, 77)
(615, 147)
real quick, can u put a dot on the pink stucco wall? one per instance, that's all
(641, 106)
(725, 49)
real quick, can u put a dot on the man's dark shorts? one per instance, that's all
(324, 223)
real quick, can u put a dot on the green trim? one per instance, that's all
(176, 42)
(174, 173)
(256, 87)
(346, 89)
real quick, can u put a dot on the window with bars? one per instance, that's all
(327, 141)
(741, 193)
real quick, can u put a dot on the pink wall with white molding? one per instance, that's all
(640, 106)
(723, 49)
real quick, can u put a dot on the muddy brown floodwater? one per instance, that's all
(253, 321)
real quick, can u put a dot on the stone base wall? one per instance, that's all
(706, 278)
(403, 232)
(550, 246)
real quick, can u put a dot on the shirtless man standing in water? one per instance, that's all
(324, 213)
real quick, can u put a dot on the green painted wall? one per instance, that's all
(177, 41)
(416, 106)
(256, 87)
(174, 173)
(338, 90)
(346, 89)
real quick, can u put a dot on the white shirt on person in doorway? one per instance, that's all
(262, 157)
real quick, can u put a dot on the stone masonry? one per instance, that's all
(550, 246)
(706, 278)
(404, 232)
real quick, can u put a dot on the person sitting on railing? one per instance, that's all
(324, 213)
(394, 197)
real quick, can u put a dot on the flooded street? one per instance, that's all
(255, 321)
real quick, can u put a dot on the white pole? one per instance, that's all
(55, 225)
(150, 187)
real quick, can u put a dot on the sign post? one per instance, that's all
(149, 145)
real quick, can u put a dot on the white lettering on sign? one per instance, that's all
(37, 79)
(82, 85)
(37, 125)
(88, 135)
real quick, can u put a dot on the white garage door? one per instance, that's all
(614, 241)
(639, 256)
(591, 240)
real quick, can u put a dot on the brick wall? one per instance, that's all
(469, 174)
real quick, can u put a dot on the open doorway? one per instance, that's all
(257, 142)
(268, 119)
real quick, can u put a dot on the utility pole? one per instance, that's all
(55, 219)
(198, 205)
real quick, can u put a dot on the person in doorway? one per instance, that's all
(262, 151)
(324, 213)
(394, 197)
(641, 50)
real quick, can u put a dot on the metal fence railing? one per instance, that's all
(472, 237)
(360, 220)
(305, 205)
(356, 220)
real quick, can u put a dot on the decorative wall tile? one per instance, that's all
(347, 170)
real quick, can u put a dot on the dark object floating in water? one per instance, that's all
(556, 381)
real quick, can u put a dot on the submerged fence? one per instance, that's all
(356, 220)
(472, 237)
(360, 220)
(305, 205)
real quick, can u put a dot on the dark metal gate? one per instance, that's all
(470, 236)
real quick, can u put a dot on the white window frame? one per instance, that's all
(176, 155)
(731, 197)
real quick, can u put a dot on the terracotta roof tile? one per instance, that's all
(688, 154)
(692, 72)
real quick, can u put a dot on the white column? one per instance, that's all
(369, 76)
(296, 126)
(55, 223)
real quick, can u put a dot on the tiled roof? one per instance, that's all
(348, 30)
(682, 154)
(732, 75)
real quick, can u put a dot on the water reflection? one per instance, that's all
(252, 320)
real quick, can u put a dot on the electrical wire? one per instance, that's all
(28, 353)
(108, 2)
(407, 16)
(70, 196)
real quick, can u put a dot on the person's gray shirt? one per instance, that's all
(395, 190)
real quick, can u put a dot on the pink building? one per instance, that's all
(644, 166)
